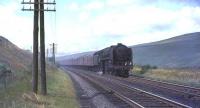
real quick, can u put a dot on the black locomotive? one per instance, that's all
(115, 60)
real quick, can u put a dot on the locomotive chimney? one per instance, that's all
(119, 44)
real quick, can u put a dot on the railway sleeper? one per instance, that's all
(153, 102)
(141, 98)
(159, 106)
(144, 100)
(150, 105)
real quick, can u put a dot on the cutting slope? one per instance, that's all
(13, 56)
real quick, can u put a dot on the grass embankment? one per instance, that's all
(61, 93)
(180, 76)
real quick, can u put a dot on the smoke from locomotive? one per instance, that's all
(115, 60)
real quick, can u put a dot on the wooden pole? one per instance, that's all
(35, 49)
(42, 50)
(38, 7)
(47, 54)
(53, 54)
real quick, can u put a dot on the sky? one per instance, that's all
(87, 25)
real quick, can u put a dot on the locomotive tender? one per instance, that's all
(115, 60)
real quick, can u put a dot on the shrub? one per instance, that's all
(143, 69)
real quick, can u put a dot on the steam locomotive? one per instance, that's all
(114, 60)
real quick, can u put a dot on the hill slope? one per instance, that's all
(14, 57)
(61, 60)
(17, 93)
(177, 52)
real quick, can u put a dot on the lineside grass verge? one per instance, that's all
(190, 77)
(61, 93)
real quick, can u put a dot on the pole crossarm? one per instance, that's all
(31, 9)
(38, 3)
(50, 3)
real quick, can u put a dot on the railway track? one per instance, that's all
(190, 92)
(183, 94)
(137, 98)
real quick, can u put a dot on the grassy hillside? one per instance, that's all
(17, 92)
(178, 52)
(14, 57)
(62, 59)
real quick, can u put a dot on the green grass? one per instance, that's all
(12, 95)
(61, 93)
(186, 77)
(180, 76)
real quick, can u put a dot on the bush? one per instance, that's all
(154, 67)
(143, 69)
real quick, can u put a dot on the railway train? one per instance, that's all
(115, 60)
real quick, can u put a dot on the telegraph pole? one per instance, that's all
(35, 49)
(35, 43)
(53, 53)
(54, 56)
(42, 50)
(38, 8)
(47, 54)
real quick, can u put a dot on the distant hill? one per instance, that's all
(177, 52)
(62, 59)
(14, 57)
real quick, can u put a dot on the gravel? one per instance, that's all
(89, 96)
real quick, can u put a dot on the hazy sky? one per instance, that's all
(85, 25)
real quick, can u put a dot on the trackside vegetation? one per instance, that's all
(61, 93)
(189, 77)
